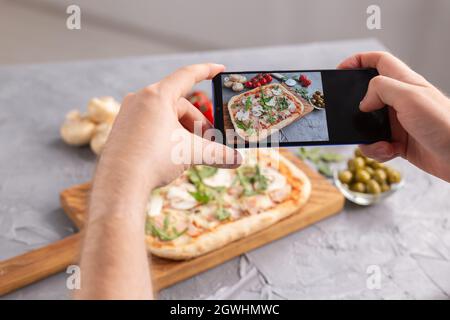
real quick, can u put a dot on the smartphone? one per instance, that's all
(296, 108)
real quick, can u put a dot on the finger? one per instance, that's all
(386, 64)
(214, 154)
(383, 91)
(381, 150)
(191, 118)
(179, 83)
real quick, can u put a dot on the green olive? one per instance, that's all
(359, 163)
(345, 176)
(378, 165)
(385, 187)
(358, 153)
(370, 162)
(351, 165)
(370, 170)
(373, 187)
(380, 176)
(362, 175)
(394, 176)
(358, 187)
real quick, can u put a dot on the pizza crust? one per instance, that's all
(263, 134)
(234, 230)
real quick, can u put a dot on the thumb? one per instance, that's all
(214, 154)
(383, 91)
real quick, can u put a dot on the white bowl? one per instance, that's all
(365, 199)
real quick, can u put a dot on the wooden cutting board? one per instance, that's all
(325, 201)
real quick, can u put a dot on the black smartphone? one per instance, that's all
(296, 108)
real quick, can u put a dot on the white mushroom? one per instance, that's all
(237, 86)
(100, 136)
(243, 79)
(76, 129)
(235, 77)
(228, 84)
(103, 109)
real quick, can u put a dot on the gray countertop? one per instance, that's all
(406, 238)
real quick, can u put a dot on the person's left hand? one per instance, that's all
(155, 125)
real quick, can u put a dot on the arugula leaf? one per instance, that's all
(162, 234)
(166, 222)
(245, 182)
(251, 180)
(263, 101)
(282, 102)
(271, 119)
(303, 92)
(200, 196)
(242, 125)
(205, 171)
(324, 169)
(260, 180)
(320, 159)
(332, 157)
(222, 213)
(248, 104)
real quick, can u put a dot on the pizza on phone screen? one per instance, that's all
(262, 111)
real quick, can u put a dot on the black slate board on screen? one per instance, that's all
(339, 122)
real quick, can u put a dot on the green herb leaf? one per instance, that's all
(222, 214)
(248, 104)
(162, 234)
(282, 102)
(332, 157)
(201, 197)
(205, 171)
(260, 180)
(245, 182)
(242, 125)
(166, 222)
(324, 169)
(320, 159)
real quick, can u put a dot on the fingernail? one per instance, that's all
(237, 157)
(361, 104)
(383, 152)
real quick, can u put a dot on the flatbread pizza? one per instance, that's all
(207, 208)
(262, 111)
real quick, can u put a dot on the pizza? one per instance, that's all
(262, 111)
(207, 208)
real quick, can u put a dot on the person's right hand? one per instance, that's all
(419, 113)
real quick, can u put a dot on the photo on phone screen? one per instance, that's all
(292, 108)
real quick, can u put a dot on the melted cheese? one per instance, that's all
(257, 110)
(276, 91)
(272, 102)
(180, 198)
(256, 204)
(291, 106)
(276, 180)
(155, 204)
(242, 115)
(222, 178)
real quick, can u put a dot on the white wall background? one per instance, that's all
(34, 30)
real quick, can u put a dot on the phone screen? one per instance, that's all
(294, 108)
